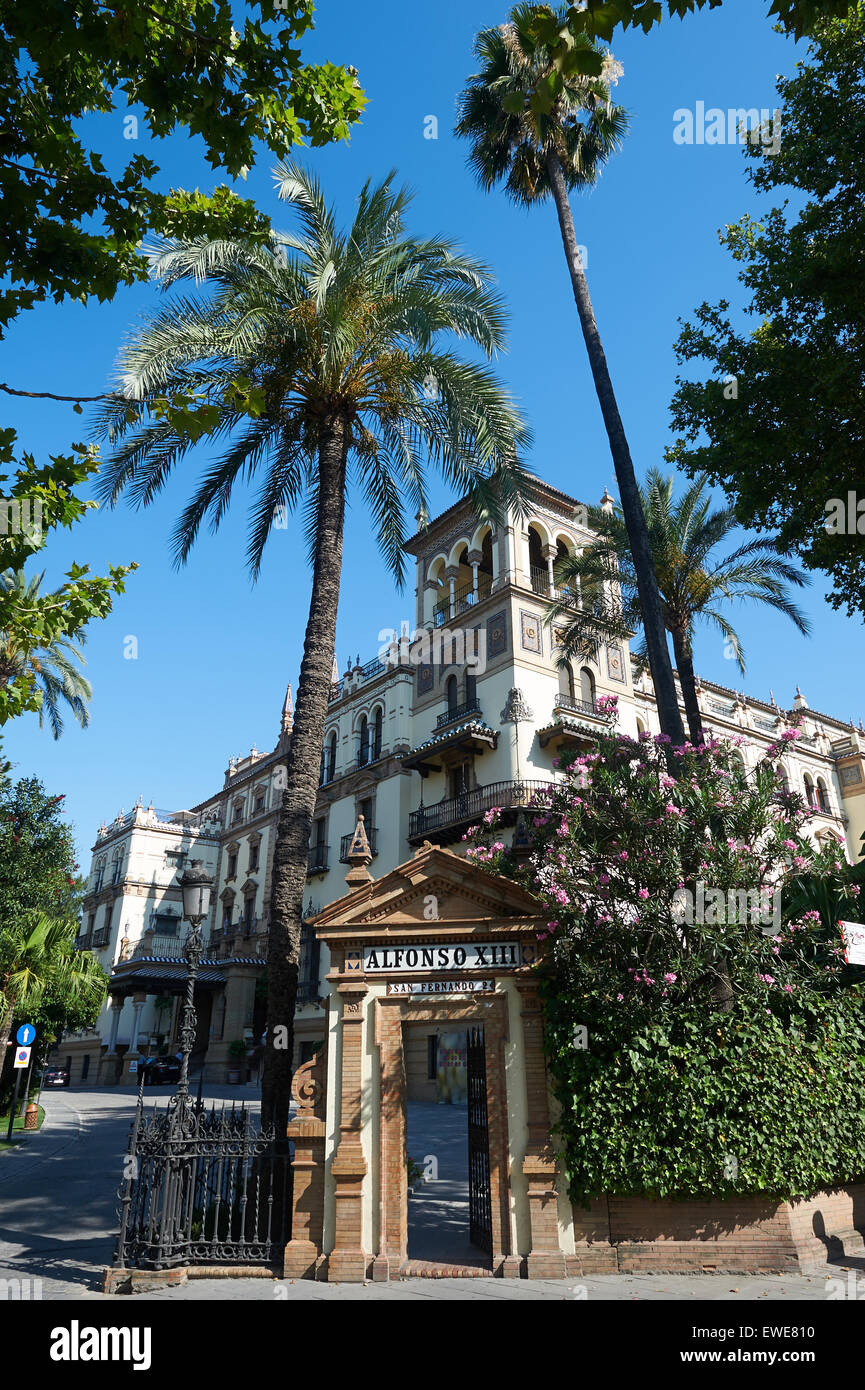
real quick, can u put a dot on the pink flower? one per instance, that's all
(671, 977)
(642, 893)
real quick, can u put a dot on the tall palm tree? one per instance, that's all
(542, 133)
(56, 668)
(37, 955)
(349, 337)
(694, 582)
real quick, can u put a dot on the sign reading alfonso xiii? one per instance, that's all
(468, 955)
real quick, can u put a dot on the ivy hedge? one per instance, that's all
(711, 1105)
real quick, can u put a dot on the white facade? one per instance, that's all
(420, 748)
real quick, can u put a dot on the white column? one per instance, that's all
(137, 1008)
(451, 574)
(114, 1025)
(550, 553)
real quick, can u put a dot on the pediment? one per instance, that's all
(435, 888)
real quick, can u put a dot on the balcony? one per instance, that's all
(100, 938)
(573, 721)
(575, 706)
(82, 941)
(366, 756)
(463, 599)
(455, 712)
(446, 820)
(345, 844)
(316, 862)
(166, 947)
(540, 580)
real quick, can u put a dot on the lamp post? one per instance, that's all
(195, 887)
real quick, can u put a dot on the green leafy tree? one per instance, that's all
(561, 29)
(57, 667)
(37, 855)
(779, 424)
(44, 977)
(347, 339)
(543, 130)
(695, 583)
(37, 500)
(71, 228)
(40, 895)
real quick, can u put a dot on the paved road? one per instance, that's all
(58, 1190)
(58, 1220)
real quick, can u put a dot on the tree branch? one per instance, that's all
(50, 396)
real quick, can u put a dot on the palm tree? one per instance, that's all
(340, 332)
(694, 583)
(55, 668)
(542, 132)
(37, 957)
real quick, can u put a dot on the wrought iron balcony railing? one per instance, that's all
(317, 859)
(540, 579)
(471, 805)
(464, 598)
(570, 702)
(455, 712)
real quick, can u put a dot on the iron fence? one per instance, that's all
(203, 1188)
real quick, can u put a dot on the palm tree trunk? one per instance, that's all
(685, 667)
(635, 521)
(303, 765)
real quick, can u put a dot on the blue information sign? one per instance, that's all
(25, 1035)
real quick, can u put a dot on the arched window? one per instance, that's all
(587, 686)
(566, 681)
(363, 751)
(100, 875)
(785, 779)
(471, 689)
(822, 795)
(453, 695)
(809, 791)
(538, 571)
(116, 864)
(641, 726)
(330, 758)
(376, 735)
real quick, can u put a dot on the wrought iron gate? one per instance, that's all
(480, 1204)
(202, 1188)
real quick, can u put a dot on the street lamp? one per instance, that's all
(195, 888)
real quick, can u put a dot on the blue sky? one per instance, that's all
(215, 652)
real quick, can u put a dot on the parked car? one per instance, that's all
(161, 1071)
(55, 1076)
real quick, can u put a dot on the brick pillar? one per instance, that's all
(303, 1254)
(347, 1261)
(546, 1259)
(393, 1178)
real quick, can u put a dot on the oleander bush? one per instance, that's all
(705, 1035)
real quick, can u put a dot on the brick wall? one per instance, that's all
(747, 1234)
